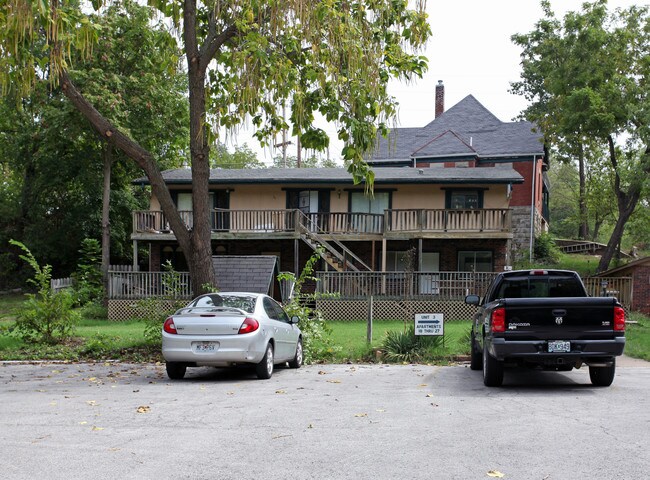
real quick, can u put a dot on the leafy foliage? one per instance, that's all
(317, 344)
(88, 277)
(406, 347)
(546, 250)
(46, 316)
(154, 310)
(586, 78)
(332, 59)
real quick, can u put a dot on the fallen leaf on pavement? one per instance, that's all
(495, 474)
(334, 381)
(143, 409)
(280, 391)
(96, 429)
(361, 415)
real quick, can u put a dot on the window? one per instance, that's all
(464, 200)
(396, 261)
(477, 261)
(363, 205)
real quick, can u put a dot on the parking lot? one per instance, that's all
(322, 421)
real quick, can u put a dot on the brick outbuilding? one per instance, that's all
(639, 271)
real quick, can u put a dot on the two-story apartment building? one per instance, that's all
(463, 193)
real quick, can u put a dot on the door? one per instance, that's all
(184, 206)
(282, 330)
(429, 283)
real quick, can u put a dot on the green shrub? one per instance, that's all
(47, 316)
(155, 310)
(404, 346)
(88, 284)
(316, 340)
(546, 250)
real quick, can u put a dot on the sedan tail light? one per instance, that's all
(249, 325)
(619, 319)
(169, 326)
(499, 320)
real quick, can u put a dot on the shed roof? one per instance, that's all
(628, 266)
(245, 273)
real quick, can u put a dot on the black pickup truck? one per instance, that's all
(545, 319)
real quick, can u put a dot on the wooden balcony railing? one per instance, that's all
(341, 223)
(444, 285)
(436, 220)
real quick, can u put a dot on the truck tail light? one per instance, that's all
(249, 325)
(619, 319)
(498, 320)
(169, 326)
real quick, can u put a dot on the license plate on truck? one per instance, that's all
(559, 346)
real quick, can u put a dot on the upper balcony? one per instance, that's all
(392, 224)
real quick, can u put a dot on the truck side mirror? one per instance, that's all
(473, 300)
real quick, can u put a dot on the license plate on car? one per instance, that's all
(205, 347)
(559, 346)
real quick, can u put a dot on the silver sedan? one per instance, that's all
(230, 328)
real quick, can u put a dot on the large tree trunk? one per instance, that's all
(583, 228)
(200, 260)
(626, 202)
(106, 224)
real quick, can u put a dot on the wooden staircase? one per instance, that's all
(335, 254)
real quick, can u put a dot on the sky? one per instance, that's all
(471, 52)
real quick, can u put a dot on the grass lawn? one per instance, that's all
(351, 339)
(105, 340)
(637, 337)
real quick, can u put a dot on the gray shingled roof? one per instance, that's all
(340, 176)
(245, 273)
(466, 128)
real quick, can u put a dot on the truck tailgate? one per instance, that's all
(589, 318)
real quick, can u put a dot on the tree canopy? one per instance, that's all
(244, 59)
(586, 77)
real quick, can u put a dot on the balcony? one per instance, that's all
(287, 223)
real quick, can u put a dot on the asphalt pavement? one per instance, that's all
(126, 421)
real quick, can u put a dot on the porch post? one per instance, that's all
(135, 254)
(383, 265)
(419, 254)
(295, 257)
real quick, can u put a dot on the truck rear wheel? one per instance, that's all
(602, 376)
(492, 369)
(476, 360)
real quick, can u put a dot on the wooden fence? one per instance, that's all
(58, 284)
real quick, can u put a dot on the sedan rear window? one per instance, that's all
(241, 302)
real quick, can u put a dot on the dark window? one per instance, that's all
(465, 199)
(475, 261)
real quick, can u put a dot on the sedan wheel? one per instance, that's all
(175, 370)
(264, 369)
(297, 359)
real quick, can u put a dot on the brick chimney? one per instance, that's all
(440, 98)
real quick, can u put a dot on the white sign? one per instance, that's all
(429, 324)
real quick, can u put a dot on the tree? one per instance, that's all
(244, 59)
(311, 161)
(587, 79)
(56, 161)
(242, 157)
